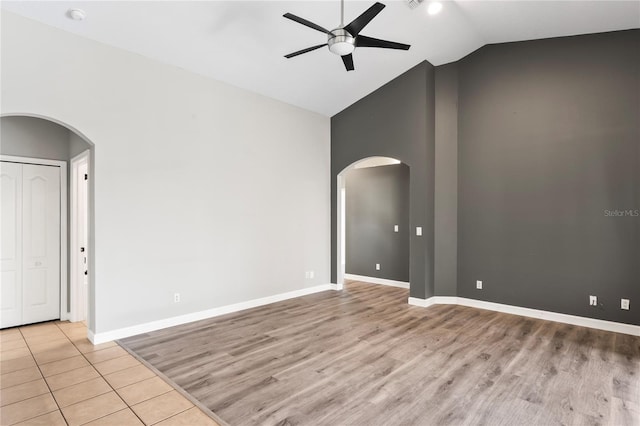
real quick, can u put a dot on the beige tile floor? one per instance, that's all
(50, 374)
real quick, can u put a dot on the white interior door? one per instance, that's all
(30, 244)
(41, 243)
(11, 247)
(82, 237)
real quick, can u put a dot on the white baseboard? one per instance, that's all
(121, 333)
(616, 327)
(422, 303)
(435, 300)
(374, 280)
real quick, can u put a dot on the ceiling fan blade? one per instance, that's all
(348, 62)
(303, 21)
(359, 23)
(308, 49)
(363, 41)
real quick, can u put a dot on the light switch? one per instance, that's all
(395, 228)
(419, 231)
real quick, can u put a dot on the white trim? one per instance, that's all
(374, 280)
(74, 285)
(422, 303)
(31, 160)
(340, 227)
(616, 327)
(107, 336)
(63, 220)
(435, 300)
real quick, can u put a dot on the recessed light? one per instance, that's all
(76, 14)
(434, 8)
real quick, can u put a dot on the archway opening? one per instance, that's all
(373, 241)
(30, 138)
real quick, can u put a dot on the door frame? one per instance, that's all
(341, 237)
(75, 281)
(63, 220)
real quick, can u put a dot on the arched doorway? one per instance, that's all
(31, 137)
(378, 250)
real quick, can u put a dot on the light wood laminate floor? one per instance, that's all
(363, 356)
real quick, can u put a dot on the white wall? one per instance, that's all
(201, 188)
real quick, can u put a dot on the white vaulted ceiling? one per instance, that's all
(243, 42)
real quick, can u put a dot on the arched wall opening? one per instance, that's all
(26, 135)
(397, 121)
(373, 241)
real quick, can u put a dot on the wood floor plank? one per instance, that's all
(364, 356)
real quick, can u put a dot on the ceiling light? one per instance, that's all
(434, 8)
(341, 42)
(76, 14)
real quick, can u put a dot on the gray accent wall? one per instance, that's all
(446, 184)
(396, 121)
(377, 199)
(536, 184)
(549, 141)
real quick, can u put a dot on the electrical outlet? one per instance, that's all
(593, 300)
(479, 284)
(176, 297)
(624, 304)
(395, 228)
(419, 231)
(377, 266)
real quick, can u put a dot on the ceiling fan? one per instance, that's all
(343, 40)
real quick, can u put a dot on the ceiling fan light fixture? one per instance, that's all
(341, 42)
(434, 8)
(342, 48)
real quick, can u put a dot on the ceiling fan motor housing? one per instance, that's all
(341, 42)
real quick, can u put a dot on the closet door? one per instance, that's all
(11, 245)
(30, 244)
(40, 243)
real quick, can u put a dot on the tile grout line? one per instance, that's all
(43, 379)
(115, 390)
(196, 403)
(106, 381)
(66, 338)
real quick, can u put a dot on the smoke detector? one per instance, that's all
(76, 14)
